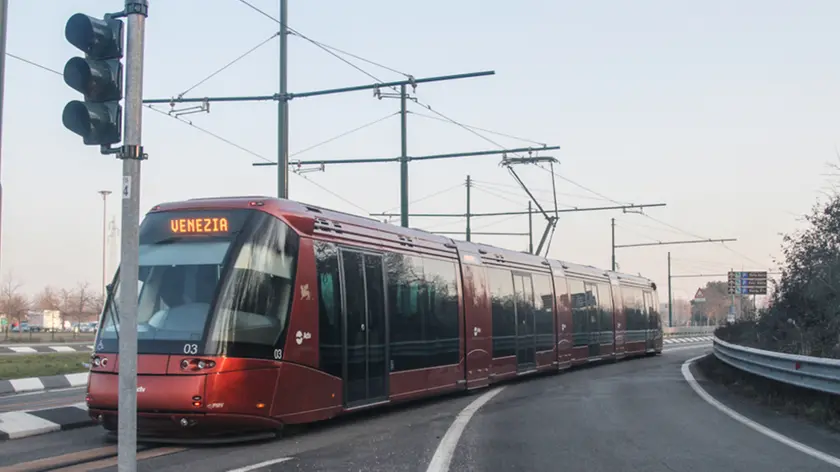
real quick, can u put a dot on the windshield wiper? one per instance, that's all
(168, 240)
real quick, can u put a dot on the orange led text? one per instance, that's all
(198, 225)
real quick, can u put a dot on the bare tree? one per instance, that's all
(79, 303)
(48, 299)
(13, 304)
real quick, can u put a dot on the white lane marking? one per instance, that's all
(686, 348)
(62, 348)
(689, 377)
(41, 392)
(261, 464)
(23, 350)
(443, 454)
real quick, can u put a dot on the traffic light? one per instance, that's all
(98, 76)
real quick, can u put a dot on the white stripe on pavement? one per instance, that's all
(62, 348)
(689, 377)
(23, 350)
(443, 454)
(260, 465)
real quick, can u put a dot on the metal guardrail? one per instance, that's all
(678, 331)
(815, 373)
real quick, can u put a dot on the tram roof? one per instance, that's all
(300, 212)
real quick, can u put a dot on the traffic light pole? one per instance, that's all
(4, 10)
(131, 155)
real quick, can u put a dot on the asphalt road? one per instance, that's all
(627, 416)
(42, 400)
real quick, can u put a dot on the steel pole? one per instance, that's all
(132, 153)
(283, 109)
(670, 300)
(403, 160)
(613, 244)
(4, 9)
(530, 229)
(104, 194)
(469, 229)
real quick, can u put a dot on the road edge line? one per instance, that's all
(446, 448)
(702, 393)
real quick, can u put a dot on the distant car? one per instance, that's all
(85, 327)
(22, 328)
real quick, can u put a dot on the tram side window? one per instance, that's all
(443, 343)
(634, 309)
(652, 315)
(423, 307)
(580, 312)
(407, 302)
(329, 308)
(543, 312)
(605, 309)
(503, 312)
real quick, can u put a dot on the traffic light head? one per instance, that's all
(96, 123)
(98, 77)
(99, 39)
(98, 81)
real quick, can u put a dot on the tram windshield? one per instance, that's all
(237, 266)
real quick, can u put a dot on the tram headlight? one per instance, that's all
(197, 364)
(97, 362)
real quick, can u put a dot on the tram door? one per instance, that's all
(650, 322)
(594, 321)
(526, 342)
(365, 374)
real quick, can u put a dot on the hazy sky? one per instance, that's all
(726, 111)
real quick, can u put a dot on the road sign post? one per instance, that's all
(747, 283)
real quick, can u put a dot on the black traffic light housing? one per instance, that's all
(98, 77)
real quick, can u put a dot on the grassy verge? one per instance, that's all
(40, 365)
(23, 338)
(819, 408)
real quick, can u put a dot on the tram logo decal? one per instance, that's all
(141, 389)
(300, 336)
(304, 293)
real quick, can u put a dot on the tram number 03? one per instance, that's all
(278, 354)
(190, 348)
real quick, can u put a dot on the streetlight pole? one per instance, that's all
(104, 194)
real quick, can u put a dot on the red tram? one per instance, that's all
(257, 312)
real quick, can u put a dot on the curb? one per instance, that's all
(34, 384)
(45, 348)
(24, 424)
